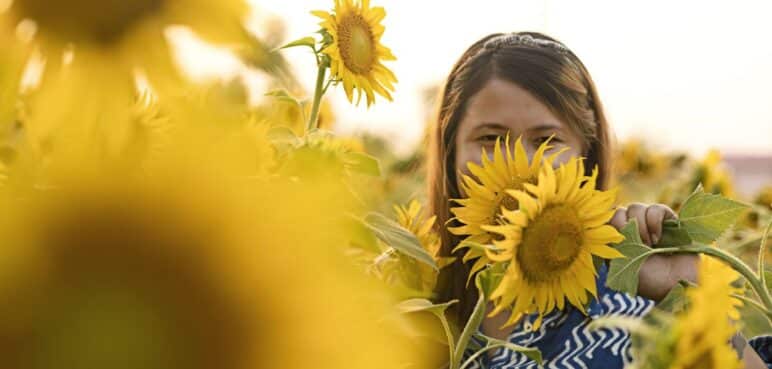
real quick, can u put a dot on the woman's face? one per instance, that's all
(502, 107)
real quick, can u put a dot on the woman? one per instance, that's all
(530, 85)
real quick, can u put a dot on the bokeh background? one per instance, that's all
(685, 85)
(683, 76)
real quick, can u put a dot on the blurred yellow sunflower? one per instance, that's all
(550, 241)
(121, 36)
(704, 330)
(12, 62)
(412, 218)
(764, 197)
(289, 114)
(699, 336)
(633, 158)
(713, 175)
(486, 195)
(181, 267)
(3, 173)
(356, 53)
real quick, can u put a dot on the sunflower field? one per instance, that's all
(149, 221)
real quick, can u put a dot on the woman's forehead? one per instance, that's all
(505, 105)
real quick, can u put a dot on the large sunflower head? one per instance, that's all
(182, 267)
(549, 242)
(355, 51)
(123, 36)
(486, 195)
(100, 22)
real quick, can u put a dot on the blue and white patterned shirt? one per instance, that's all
(565, 341)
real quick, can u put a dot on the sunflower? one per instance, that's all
(713, 175)
(322, 155)
(698, 336)
(486, 195)
(3, 173)
(279, 112)
(356, 52)
(549, 242)
(633, 158)
(179, 266)
(411, 218)
(12, 63)
(764, 197)
(705, 328)
(121, 36)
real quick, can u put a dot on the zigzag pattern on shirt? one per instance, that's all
(582, 346)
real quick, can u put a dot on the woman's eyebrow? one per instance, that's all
(491, 125)
(546, 127)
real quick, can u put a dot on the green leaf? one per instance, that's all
(673, 234)
(623, 272)
(489, 278)
(530, 352)
(283, 135)
(360, 235)
(706, 216)
(305, 41)
(398, 237)
(417, 305)
(363, 163)
(282, 95)
(471, 326)
(675, 300)
(474, 246)
(438, 310)
(283, 139)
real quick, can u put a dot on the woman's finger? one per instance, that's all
(655, 215)
(638, 212)
(619, 219)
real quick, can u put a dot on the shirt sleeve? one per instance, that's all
(763, 347)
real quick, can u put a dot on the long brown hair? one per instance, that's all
(550, 72)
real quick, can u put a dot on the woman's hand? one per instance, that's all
(660, 272)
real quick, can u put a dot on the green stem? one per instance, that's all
(469, 329)
(449, 334)
(762, 255)
(741, 268)
(480, 352)
(327, 85)
(318, 92)
(756, 305)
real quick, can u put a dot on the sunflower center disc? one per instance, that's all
(99, 21)
(550, 243)
(356, 44)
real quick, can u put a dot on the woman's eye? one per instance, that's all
(488, 138)
(540, 140)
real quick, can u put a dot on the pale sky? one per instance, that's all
(688, 75)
